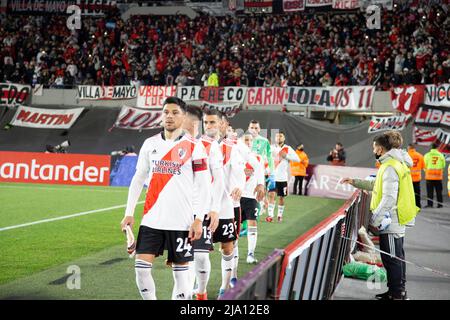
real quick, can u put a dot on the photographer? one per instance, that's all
(337, 155)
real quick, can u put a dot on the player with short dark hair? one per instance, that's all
(176, 166)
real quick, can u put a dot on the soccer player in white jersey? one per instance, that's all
(282, 154)
(202, 265)
(230, 137)
(226, 232)
(249, 202)
(177, 166)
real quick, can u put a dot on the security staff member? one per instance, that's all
(392, 207)
(416, 171)
(298, 169)
(434, 172)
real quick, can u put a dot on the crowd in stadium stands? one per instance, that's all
(272, 50)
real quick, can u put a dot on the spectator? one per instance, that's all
(337, 155)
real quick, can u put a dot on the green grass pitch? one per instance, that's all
(34, 259)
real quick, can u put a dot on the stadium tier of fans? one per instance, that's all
(325, 49)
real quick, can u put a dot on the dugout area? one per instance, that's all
(38, 261)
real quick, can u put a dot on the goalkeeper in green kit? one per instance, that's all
(262, 147)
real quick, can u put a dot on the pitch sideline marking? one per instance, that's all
(64, 217)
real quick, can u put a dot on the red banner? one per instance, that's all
(54, 168)
(406, 99)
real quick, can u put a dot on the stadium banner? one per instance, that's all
(340, 98)
(443, 141)
(437, 95)
(258, 6)
(46, 7)
(423, 137)
(106, 93)
(229, 110)
(378, 124)
(318, 3)
(265, 96)
(152, 97)
(12, 94)
(213, 95)
(45, 118)
(325, 181)
(54, 168)
(433, 116)
(293, 5)
(345, 4)
(406, 99)
(388, 4)
(138, 119)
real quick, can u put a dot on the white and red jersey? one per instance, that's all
(234, 175)
(257, 177)
(176, 168)
(247, 156)
(282, 165)
(215, 165)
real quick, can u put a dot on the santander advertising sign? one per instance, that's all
(54, 168)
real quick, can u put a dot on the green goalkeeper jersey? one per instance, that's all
(262, 147)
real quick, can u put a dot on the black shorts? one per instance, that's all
(238, 219)
(249, 208)
(226, 231)
(281, 188)
(154, 241)
(205, 243)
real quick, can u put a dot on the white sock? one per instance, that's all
(227, 268)
(252, 238)
(192, 274)
(280, 210)
(144, 279)
(262, 208)
(202, 270)
(182, 289)
(271, 209)
(235, 260)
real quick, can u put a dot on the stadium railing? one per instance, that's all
(309, 268)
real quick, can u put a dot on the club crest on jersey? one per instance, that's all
(181, 153)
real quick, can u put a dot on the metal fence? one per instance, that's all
(309, 268)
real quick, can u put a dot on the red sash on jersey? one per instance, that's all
(181, 153)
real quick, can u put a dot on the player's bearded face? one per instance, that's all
(173, 117)
(279, 139)
(211, 124)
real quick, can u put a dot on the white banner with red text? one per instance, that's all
(138, 119)
(106, 93)
(356, 98)
(45, 118)
(378, 124)
(12, 94)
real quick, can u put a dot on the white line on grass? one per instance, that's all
(71, 189)
(64, 217)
